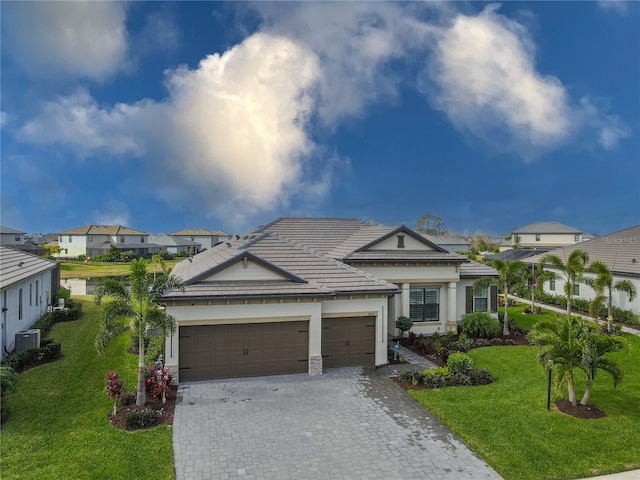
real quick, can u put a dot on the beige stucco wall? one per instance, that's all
(560, 239)
(275, 312)
(391, 243)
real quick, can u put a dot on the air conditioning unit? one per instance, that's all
(27, 339)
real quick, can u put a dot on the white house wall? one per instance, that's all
(31, 312)
(620, 299)
(551, 239)
(413, 274)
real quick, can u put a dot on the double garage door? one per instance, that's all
(255, 349)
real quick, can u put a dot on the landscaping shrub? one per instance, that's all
(480, 325)
(481, 376)
(459, 347)
(140, 418)
(403, 324)
(410, 376)
(435, 380)
(72, 311)
(460, 380)
(153, 349)
(459, 363)
(114, 389)
(157, 381)
(128, 398)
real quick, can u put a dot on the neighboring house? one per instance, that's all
(305, 294)
(28, 284)
(450, 243)
(543, 235)
(514, 254)
(206, 238)
(92, 240)
(619, 250)
(173, 244)
(10, 236)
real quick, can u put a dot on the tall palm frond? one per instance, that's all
(571, 270)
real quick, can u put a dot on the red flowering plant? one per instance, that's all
(157, 382)
(115, 389)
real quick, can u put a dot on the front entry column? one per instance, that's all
(451, 324)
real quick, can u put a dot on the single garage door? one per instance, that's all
(243, 350)
(348, 342)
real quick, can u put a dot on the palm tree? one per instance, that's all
(571, 343)
(571, 272)
(510, 276)
(604, 282)
(157, 260)
(595, 347)
(134, 308)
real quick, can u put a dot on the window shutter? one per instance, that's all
(469, 308)
(494, 299)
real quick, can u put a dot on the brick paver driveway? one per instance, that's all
(350, 423)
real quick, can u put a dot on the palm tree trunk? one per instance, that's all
(569, 303)
(141, 397)
(572, 391)
(610, 310)
(585, 397)
(505, 325)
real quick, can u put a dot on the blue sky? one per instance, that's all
(164, 116)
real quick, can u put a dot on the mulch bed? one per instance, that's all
(579, 411)
(165, 418)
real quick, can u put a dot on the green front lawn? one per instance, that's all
(526, 320)
(92, 270)
(508, 425)
(58, 425)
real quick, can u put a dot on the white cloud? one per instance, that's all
(231, 136)
(619, 6)
(483, 78)
(609, 129)
(115, 213)
(4, 119)
(60, 39)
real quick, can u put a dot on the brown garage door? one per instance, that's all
(348, 342)
(243, 350)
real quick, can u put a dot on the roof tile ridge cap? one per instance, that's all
(296, 243)
(256, 238)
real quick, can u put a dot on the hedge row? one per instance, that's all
(71, 312)
(32, 357)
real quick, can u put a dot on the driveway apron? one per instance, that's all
(350, 423)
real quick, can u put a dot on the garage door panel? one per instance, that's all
(239, 350)
(348, 341)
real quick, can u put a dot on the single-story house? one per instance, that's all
(306, 294)
(620, 251)
(205, 238)
(28, 284)
(173, 244)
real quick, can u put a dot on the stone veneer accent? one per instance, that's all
(315, 365)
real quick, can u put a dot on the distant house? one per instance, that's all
(619, 250)
(92, 240)
(450, 242)
(10, 236)
(174, 245)
(206, 238)
(543, 235)
(28, 284)
(307, 294)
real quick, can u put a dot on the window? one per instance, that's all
(537, 237)
(20, 304)
(424, 304)
(17, 238)
(30, 294)
(576, 237)
(480, 300)
(37, 291)
(70, 238)
(89, 238)
(552, 285)
(121, 238)
(192, 239)
(576, 289)
(400, 241)
(141, 239)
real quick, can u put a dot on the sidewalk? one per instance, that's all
(553, 308)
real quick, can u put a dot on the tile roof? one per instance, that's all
(16, 266)
(475, 270)
(445, 239)
(321, 275)
(9, 230)
(199, 232)
(170, 241)
(102, 230)
(546, 227)
(619, 250)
